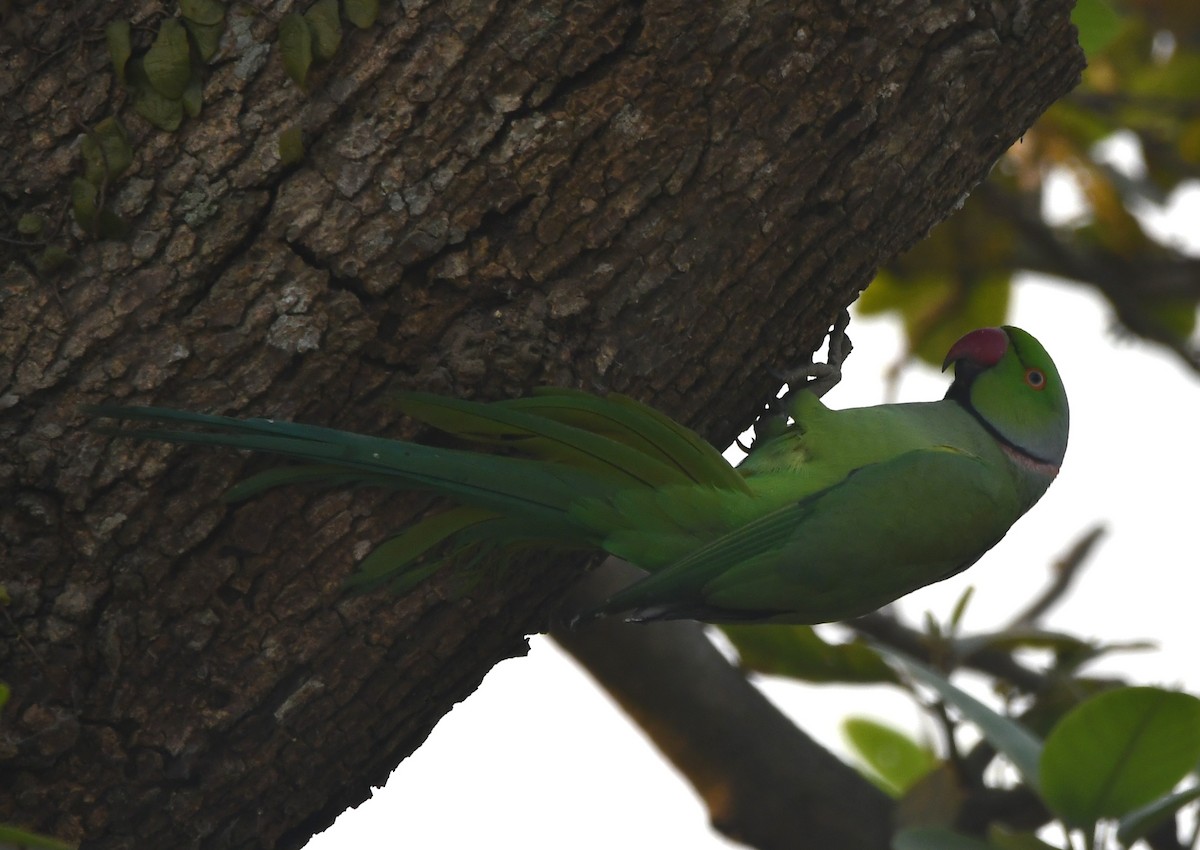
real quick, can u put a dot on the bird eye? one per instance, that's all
(1035, 378)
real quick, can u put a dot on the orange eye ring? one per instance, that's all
(1035, 378)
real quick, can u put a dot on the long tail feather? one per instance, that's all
(578, 449)
(392, 562)
(532, 487)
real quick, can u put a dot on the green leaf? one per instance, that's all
(11, 836)
(1141, 822)
(52, 259)
(361, 13)
(937, 309)
(83, 202)
(402, 581)
(1188, 143)
(1098, 24)
(954, 281)
(163, 112)
(106, 152)
(168, 63)
(936, 838)
(1005, 734)
(205, 12)
(960, 608)
(5, 693)
(207, 38)
(119, 49)
(295, 47)
(799, 653)
(30, 224)
(1176, 315)
(326, 25)
(895, 759)
(1069, 650)
(193, 97)
(291, 146)
(1118, 751)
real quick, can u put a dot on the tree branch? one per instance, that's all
(891, 632)
(1066, 569)
(1130, 290)
(764, 781)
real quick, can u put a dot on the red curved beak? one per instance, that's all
(983, 347)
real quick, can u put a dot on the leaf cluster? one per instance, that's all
(166, 78)
(1142, 86)
(1101, 758)
(107, 154)
(315, 35)
(163, 68)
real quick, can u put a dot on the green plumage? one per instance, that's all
(836, 515)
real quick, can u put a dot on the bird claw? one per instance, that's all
(817, 378)
(813, 377)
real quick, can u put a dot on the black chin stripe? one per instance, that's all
(964, 399)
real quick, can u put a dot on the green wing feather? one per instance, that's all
(580, 448)
(638, 426)
(881, 532)
(393, 562)
(613, 436)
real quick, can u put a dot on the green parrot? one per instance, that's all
(833, 516)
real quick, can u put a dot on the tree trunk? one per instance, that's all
(656, 198)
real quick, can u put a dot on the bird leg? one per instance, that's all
(818, 378)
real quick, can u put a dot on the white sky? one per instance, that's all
(539, 758)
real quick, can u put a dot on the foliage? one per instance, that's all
(316, 35)
(1102, 759)
(1143, 81)
(798, 652)
(893, 760)
(162, 68)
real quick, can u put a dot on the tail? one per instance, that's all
(576, 447)
(535, 488)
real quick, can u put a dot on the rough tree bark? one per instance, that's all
(652, 197)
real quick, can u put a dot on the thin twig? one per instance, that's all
(1066, 569)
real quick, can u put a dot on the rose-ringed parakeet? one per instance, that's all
(839, 513)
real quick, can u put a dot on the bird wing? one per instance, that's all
(884, 530)
(614, 437)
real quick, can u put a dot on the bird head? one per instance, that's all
(1005, 378)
